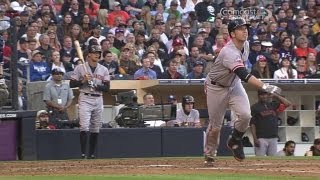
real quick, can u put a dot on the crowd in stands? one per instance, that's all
(161, 39)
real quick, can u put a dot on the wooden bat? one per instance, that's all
(80, 55)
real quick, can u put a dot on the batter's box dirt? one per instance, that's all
(264, 166)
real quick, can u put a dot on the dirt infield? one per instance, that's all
(274, 167)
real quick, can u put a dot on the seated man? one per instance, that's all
(42, 120)
(314, 149)
(188, 116)
(288, 149)
(145, 73)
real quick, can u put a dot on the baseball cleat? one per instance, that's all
(91, 157)
(83, 156)
(208, 160)
(236, 148)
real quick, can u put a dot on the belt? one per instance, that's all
(93, 95)
(218, 84)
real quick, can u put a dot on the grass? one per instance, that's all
(158, 177)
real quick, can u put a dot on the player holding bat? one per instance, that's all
(92, 79)
(224, 90)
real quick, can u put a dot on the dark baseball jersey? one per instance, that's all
(229, 59)
(101, 74)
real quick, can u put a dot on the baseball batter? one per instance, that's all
(92, 80)
(224, 89)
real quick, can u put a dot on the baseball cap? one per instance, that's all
(171, 98)
(56, 71)
(16, 6)
(174, 3)
(177, 42)
(22, 41)
(119, 30)
(198, 63)
(261, 32)
(261, 58)
(116, 3)
(67, 54)
(24, 13)
(42, 112)
(35, 52)
(266, 43)
(141, 33)
(159, 22)
(201, 30)
(256, 42)
(97, 26)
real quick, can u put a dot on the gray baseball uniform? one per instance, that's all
(224, 89)
(90, 100)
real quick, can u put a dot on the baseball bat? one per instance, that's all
(80, 55)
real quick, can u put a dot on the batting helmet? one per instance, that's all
(95, 49)
(187, 99)
(235, 23)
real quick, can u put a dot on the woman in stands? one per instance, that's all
(260, 68)
(286, 71)
(54, 42)
(286, 49)
(312, 65)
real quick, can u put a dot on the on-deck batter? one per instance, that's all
(224, 89)
(91, 86)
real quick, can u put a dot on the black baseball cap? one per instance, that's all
(57, 71)
(23, 40)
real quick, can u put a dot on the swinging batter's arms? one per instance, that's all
(243, 74)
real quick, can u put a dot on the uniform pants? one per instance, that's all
(218, 100)
(90, 113)
(268, 146)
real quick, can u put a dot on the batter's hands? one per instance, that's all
(271, 89)
(86, 78)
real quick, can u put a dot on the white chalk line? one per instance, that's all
(272, 170)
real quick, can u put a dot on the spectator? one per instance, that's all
(67, 47)
(302, 47)
(197, 72)
(114, 50)
(42, 120)
(56, 63)
(156, 60)
(181, 59)
(194, 57)
(260, 68)
(127, 65)
(188, 116)
(76, 33)
(53, 39)
(160, 25)
(316, 26)
(151, 56)
(255, 51)
(184, 8)
(109, 62)
(264, 123)
(45, 48)
(312, 65)
(173, 10)
(273, 63)
(314, 149)
(219, 43)
(86, 25)
(286, 71)
(63, 29)
(116, 13)
(287, 49)
(133, 7)
(76, 12)
(288, 149)
(39, 70)
(172, 71)
(145, 73)
(301, 67)
(96, 34)
(206, 10)
(91, 8)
